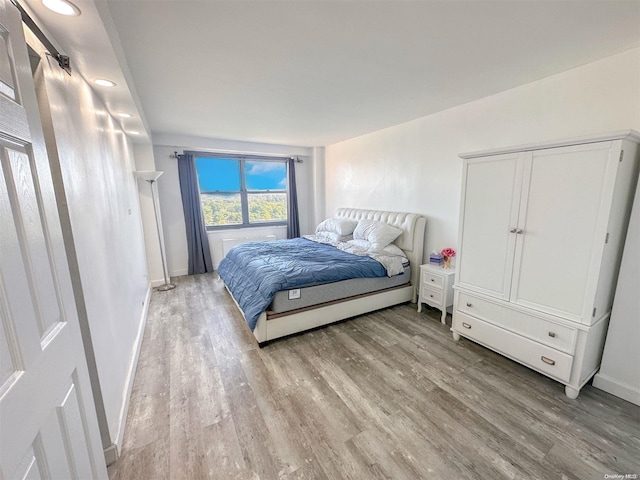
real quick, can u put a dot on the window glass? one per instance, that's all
(265, 175)
(228, 199)
(267, 207)
(218, 174)
(221, 209)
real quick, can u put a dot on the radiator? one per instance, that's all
(228, 243)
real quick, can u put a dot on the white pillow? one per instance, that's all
(394, 250)
(339, 226)
(334, 237)
(378, 233)
(362, 245)
(366, 246)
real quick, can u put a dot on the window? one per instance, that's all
(242, 191)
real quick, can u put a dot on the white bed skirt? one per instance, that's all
(316, 317)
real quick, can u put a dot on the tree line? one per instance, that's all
(227, 209)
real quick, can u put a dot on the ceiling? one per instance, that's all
(313, 73)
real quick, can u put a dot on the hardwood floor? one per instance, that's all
(385, 395)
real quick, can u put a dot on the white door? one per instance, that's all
(490, 203)
(566, 200)
(48, 425)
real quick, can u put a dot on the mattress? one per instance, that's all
(288, 300)
(254, 272)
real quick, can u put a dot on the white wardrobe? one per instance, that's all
(542, 230)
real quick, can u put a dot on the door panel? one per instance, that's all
(7, 81)
(7, 364)
(556, 249)
(47, 417)
(21, 332)
(35, 249)
(491, 202)
(29, 467)
(70, 418)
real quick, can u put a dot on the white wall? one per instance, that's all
(144, 161)
(171, 202)
(95, 163)
(415, 166)
(318, 186)
(620, 370)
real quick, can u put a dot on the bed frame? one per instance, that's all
(411, 241)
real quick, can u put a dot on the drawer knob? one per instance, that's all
(431, 295)
(468, 304)
(548, 361)
(466, 325)
(552, 334)
(433, 280)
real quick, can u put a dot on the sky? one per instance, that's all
(222, 174)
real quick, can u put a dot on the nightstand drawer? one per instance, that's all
(436, 288)
(432, 281)
(557, 336)
(539, 357)
(431, 296)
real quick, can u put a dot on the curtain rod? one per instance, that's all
(63, 60)
(174, 155)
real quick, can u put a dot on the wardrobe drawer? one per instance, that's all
(431, 296)
(430, 280)
(555, 335)
(535, 355)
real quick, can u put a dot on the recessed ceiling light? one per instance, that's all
(124, 115)
(105, 83)
(133, 132)
(63, 7)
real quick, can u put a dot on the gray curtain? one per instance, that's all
(197, 241)
(293, 222)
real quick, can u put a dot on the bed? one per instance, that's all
(329, 302)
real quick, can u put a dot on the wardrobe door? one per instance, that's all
(490, 202)
(562, 228)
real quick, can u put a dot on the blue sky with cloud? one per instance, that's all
(222, 174)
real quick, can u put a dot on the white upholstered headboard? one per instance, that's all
(411, 240)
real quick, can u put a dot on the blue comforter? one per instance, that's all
(254, 272)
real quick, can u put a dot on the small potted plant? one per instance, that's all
(448, 253)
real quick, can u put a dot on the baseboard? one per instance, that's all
(111, 454)
(619, 389)
(180, 273)
(131, 376)
(176, 273)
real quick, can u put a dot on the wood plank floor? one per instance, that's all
(385, 395)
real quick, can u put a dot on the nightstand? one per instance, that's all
(436, 288)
